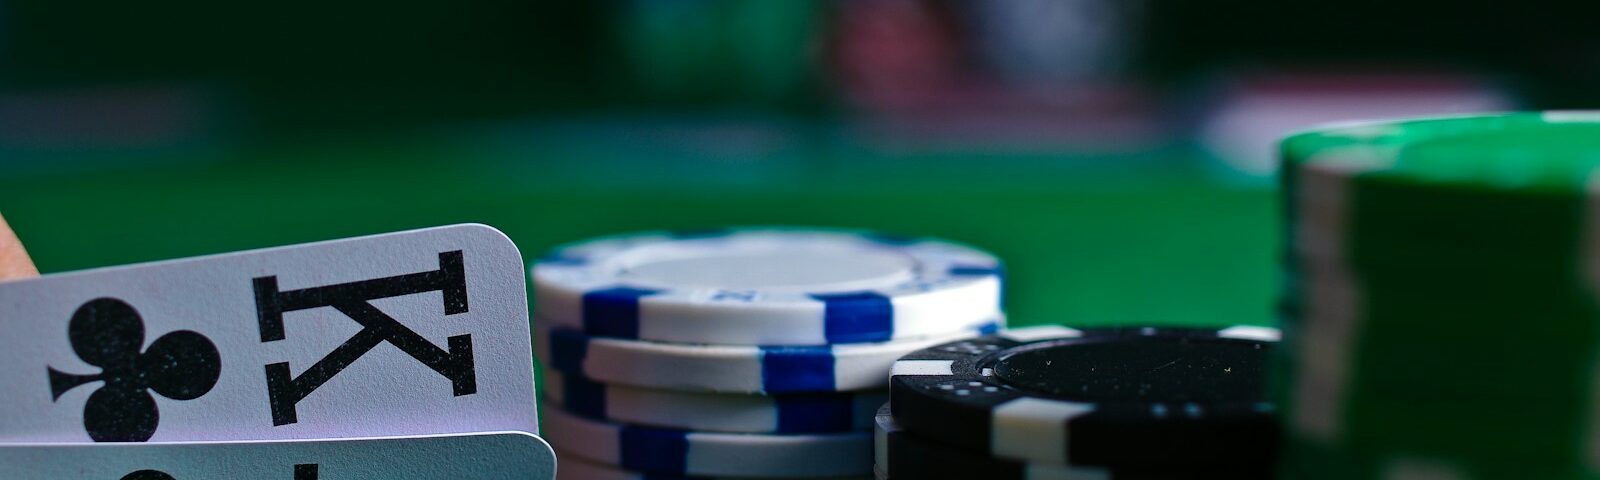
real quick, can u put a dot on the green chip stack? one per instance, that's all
(1439, 311)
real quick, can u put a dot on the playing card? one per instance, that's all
(497, 456)
(419, 332)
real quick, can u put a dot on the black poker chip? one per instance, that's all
(902, 455)
(1095, 397)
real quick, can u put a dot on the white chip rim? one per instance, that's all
(917, 277)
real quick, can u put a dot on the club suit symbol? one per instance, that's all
(108, 333)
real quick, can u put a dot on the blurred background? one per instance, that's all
(1117, 153)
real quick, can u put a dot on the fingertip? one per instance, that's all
(14, 260)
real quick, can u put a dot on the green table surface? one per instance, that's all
(1089, 239)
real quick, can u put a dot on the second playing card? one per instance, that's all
(419, 332)
(485, 456)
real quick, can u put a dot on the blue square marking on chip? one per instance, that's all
(974, 271)
(802, 413)
(796, 369)
(556, 259)
(567, 350)
(990, 328)
(613, 312)
(893, 239)
(583, 396)
(853, 317)
(654, 449)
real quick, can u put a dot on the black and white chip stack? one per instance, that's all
(754, 352)
(1094, 404)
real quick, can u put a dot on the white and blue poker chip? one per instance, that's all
(822, 412)
(681, 452)
(751, 369)
(767, 286)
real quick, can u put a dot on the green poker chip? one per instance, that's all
(1440, 301)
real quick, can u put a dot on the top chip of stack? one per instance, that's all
(1505, 191)
(1438, 270)
(1114, 399)
(767, 286)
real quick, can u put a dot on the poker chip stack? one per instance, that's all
(1061, 403)
(760, 353)
(1440, 316)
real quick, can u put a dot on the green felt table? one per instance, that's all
(1088, 239)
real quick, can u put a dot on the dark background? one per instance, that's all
(135, 131)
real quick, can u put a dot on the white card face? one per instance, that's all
(409, 333)
(498, 456)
